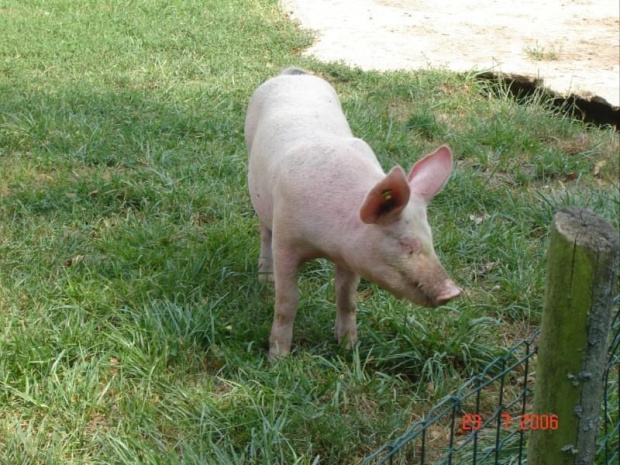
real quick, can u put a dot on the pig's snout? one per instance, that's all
(446, 293)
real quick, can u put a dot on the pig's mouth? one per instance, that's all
(430, 294)
(419, 296)
(424, 293)
(437, 295)
(412, 291)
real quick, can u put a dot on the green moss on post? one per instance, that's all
(582, 269)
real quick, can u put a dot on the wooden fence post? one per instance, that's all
(583, 261)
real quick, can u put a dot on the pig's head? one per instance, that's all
(399, 244)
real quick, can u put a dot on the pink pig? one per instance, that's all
(320, 192)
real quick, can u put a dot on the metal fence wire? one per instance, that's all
(487, 419)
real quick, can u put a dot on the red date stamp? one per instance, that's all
(526, 422)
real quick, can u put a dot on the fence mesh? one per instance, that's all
(487, 421)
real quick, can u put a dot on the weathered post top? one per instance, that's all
(586, 229)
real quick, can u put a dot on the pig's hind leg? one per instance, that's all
(265, 259)
(346, 282)
(287, 300)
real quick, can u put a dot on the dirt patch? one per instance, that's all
(570, 46)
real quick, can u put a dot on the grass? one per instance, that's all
(539, 52)
(132, 326)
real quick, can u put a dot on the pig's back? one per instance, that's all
(299, 143)
(293, 108)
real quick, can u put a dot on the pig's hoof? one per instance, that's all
(348, 344)
(278, 350)
(265, 277)
(350, 340)
(275, 355)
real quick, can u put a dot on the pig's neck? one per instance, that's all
(351, 174)
(359, 243)
(355, 240)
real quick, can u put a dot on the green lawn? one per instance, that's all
(133, 328)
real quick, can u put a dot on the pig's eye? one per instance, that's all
(411, 246)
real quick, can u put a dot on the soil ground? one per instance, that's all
(572, 45)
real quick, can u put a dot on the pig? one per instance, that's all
(321, 192)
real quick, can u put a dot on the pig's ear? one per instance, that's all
(429, 174)
(387, 198)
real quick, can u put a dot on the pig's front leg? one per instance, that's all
(286, 265)
(265, 259)
(346, 282)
